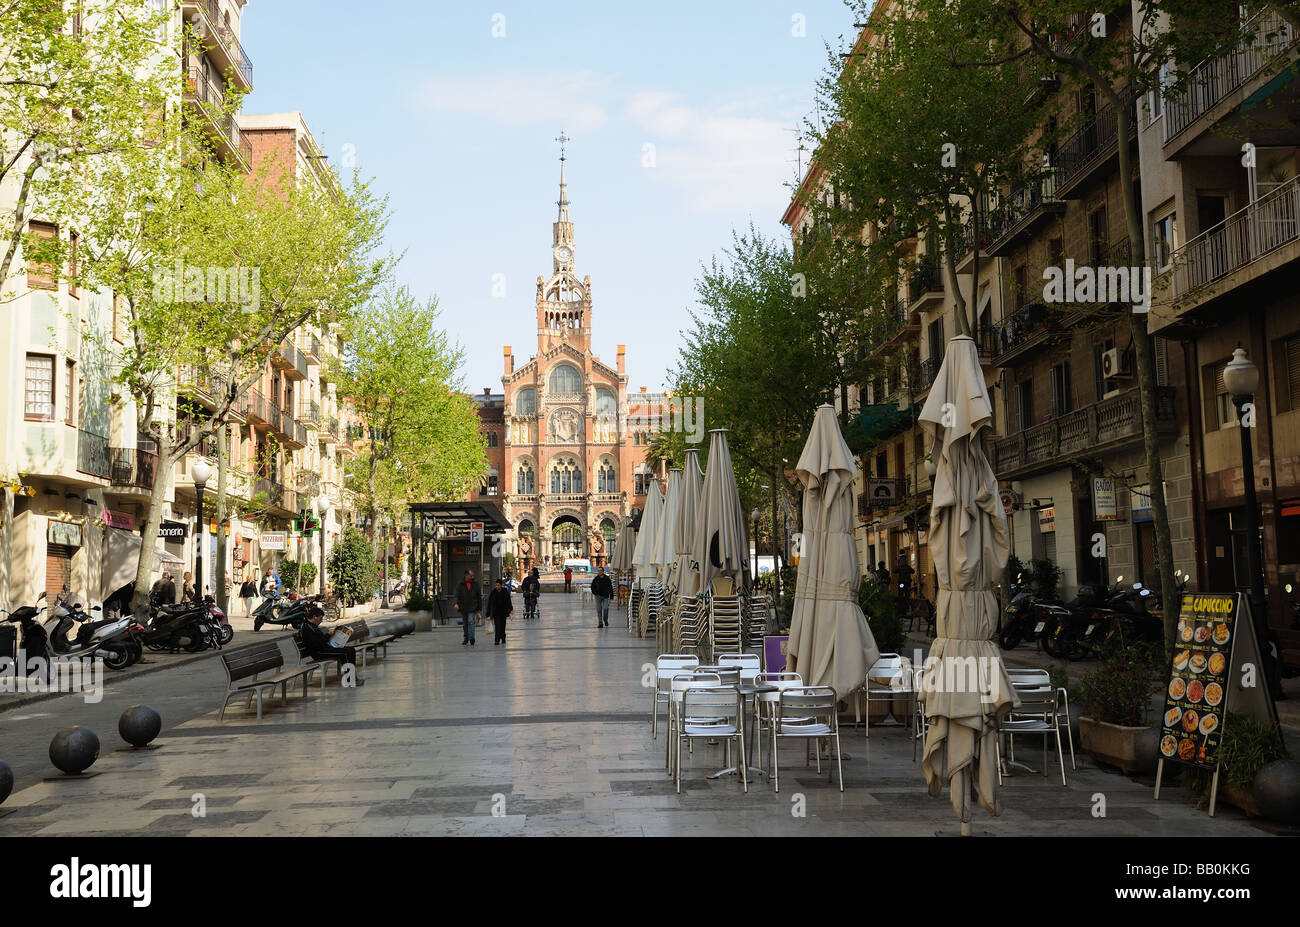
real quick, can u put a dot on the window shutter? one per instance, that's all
(1286, 373)
(1162, 362)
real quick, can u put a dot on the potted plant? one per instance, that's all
(886, 625)
(420, 607)
(1115, 730)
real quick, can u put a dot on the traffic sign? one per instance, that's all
(476, 532)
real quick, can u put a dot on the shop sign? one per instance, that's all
(271, 540)
(1103, 499)
(882, 492)
(64, 532)
(172, 530)
(1047, 519)
(119, 520)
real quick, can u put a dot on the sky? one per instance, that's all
(682, 115)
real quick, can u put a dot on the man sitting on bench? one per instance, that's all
(317, 644)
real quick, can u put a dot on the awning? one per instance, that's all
(122, 553)
(874, 423)
(458, 516)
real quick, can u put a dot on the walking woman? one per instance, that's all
(248, 592)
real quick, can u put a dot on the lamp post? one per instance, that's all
(322, 506)
(201, 471)
(1241, 379)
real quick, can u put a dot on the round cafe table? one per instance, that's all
(747, 692)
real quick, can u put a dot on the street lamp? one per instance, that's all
(1241, 379)
(322, 506)
(201, 471)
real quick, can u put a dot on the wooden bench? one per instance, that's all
(245, 665)
(364, 644)
(306, 659)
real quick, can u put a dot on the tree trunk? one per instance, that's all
(1144, 347)
(959, 301)
(776, 557)
(223, 600)
(152, 522)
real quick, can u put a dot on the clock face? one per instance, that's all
(564, 254)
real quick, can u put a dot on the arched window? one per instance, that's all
(565, 380)
(525, 479)
(608, 531)
(606, 402)
(526, 402)
(526, 528)
(566, 476)
(606, 478)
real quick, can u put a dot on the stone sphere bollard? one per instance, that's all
(139, 725)
(74, 749)
(1277, 790)
(6, 781)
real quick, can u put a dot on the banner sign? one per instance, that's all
(271, 540)
(1047, 519)
(1217, 663)
(119, 519)
(1103, 499)
(1140, 503)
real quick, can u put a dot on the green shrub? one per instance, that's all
(1117, 690)
(1045, 577)
(419, 602)
(351, 568)
(881, 610)
(297, 576)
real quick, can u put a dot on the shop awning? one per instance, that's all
(122, 553)
(874, 423)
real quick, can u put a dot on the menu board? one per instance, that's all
(1197, 695)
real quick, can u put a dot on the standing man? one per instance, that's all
(882, 574)
(163, 591)
(603, 590)
(499, 609)
(531, 586)
(469, 602)
(568, 579)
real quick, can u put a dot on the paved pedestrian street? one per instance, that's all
(548, 735)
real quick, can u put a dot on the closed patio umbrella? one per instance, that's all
(624, 546)
(665, 551)
(965, 687)
(648, 534)
(684, 578)
(721, 546)
(830, 642)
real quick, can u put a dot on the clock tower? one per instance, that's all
(563, 301)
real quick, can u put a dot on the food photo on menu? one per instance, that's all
(1196, 689)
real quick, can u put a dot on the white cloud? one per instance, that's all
(573, 100)
(726, 159)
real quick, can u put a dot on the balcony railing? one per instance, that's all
(926, 279)
(254, 406)
(1212, 80)
(330, 427)
(1109, 422)
(1247, 235)
(925, 372)
(1019, 209)
(567, 498)
(212, 100)
(1021, 327)
(311, 350)
(607, 497)
(215, 26)
(133, 467)
(93, 454)
(273, 491)
(309, 412)
(1091, 143)
(307, 483)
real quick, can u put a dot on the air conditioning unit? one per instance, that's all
(1114, 363)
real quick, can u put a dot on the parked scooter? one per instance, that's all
(225, 633)
(1019, 617)
(176, 627)
(105, 636)
(35, 643)
(291, 613)
(1060, 628)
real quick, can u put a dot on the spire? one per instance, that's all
(564, 193)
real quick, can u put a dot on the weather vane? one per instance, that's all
(563, 140)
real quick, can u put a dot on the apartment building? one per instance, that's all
(1067, 444)
(1221, 195)
(76, 473)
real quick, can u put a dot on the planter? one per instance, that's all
(1238, 797)
(1277, 790)
(423, 620)
(1132, 749)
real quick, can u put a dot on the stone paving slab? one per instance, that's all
(549, 735)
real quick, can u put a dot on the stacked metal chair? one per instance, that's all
(686, 627)
(654, 602)
(724, 625)
(634, 608)
(755, 620)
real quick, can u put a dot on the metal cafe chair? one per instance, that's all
(810, 714)
(714, 713)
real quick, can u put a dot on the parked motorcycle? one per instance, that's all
(291, 613)
(1019, 618)
(225, 633)
(35, 641)
(176, 627)
(1061, 628)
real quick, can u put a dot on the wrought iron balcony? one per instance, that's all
(1020, 211)
(926, 280)
(210, 99)
(93, 454)
(133, 467)
(1023, 329)
(211, 24)
(309, 412)
(1091, 146)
